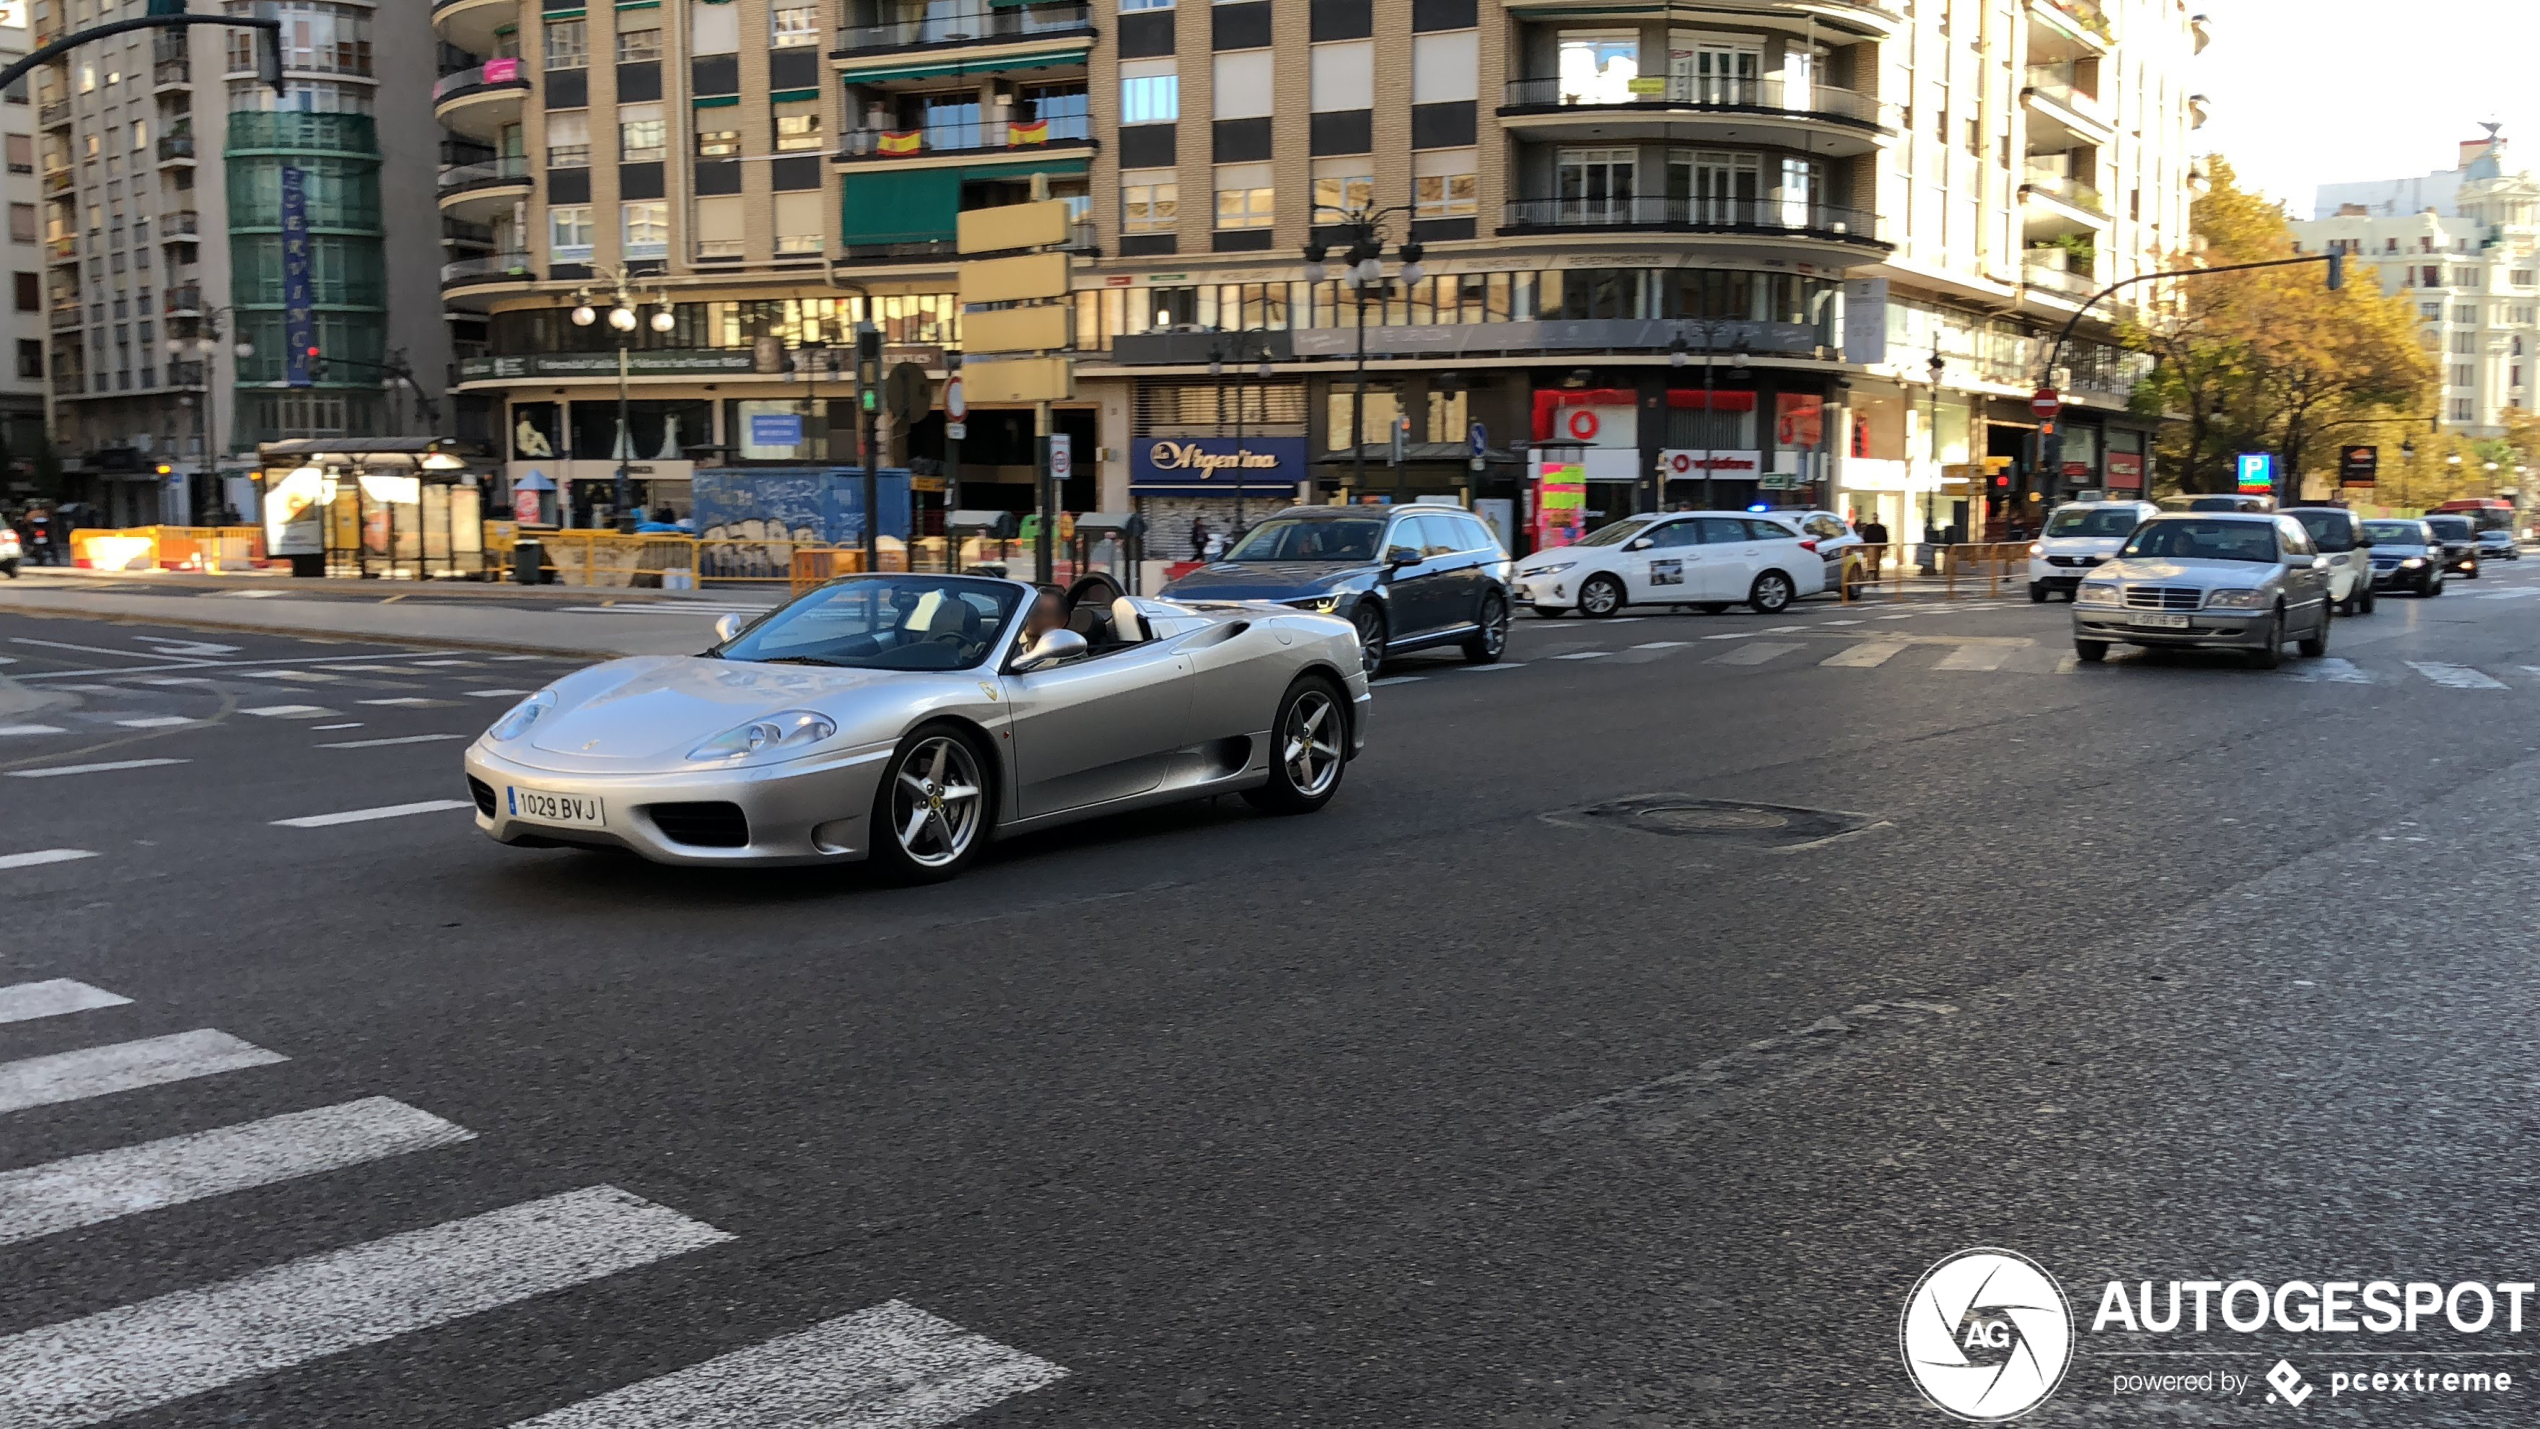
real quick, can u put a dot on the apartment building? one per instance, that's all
(2470, 263)
(165, 165)
(22, 332)
(1696, 256)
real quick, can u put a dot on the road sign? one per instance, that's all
(1049, 327)
(1062, 456)
(2358, 466)
(2257, 471)
(908, 394)
(1014, 280)
(956, 407)
(1021, 379)
(2046, 402)
(1479, 437)
(1011, 226)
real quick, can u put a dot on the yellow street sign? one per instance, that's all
(1014, 280)
(1019, 379)
(1042, 329)
(1015, 225)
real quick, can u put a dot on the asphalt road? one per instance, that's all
(2162, 970)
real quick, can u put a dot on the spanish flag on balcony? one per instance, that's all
(902, 141)
(1035, 132)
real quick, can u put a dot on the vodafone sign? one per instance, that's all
(1694, 464)
(1617, 426)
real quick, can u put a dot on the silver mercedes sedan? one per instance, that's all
(905, 719)
(2236, 580)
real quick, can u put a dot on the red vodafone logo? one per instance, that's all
(1582, 424)
(1681, 463)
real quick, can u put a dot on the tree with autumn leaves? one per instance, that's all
(2271, 359)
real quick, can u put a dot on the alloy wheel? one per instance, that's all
(1310, 745)
(1371, 635)
(936, 803)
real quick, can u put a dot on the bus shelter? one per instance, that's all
(397, 508)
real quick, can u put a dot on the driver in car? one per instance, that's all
(1045, 616)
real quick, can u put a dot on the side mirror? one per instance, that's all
(1052, 647)
(1642, 544)
(726, 626)
(2319, 563)
(1402, 555)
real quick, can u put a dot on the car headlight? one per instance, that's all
(784, 735)
(2412, 562)
(1320, 604)
(2096, 593)
(2036, 548)
(2235, 599)
(517, 720)
(1556, 568)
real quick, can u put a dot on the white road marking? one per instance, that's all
(26, 1001)
(8, 659)
(890, 1367)
(133, 1357)
(169, 646)
(88, 649)
(1396, 680)
(353, 724)
(412, 702)
(26, 729)
(157, 722)
(399, 739)
(1975, 657)
(1732, 635)
(313, 677)
(129, 1180)
(2330, 670)
(1865, 654)
(2456, 677)
(1662, 644)
(2067, 664)
(489, 694)
(288, 711)
(1906, 616)
(1838, 622)
(524, 657)
(1781, 629)
(377, 669)
(107, 767)
(1486, 669)
(1584, 655)
(123, 1067)
(252, 594)
(1755, 654)
(442, 664)
(43, 856)
(174, 680)
(364, 816)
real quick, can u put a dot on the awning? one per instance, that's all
(905, 206)
(1075, 56)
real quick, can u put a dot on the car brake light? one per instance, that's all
(1807, 545)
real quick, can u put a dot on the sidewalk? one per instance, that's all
(526, 620)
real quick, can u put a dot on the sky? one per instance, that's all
(2307, 92)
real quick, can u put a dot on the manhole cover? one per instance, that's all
(1682, 816)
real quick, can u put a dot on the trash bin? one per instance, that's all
(529, 561)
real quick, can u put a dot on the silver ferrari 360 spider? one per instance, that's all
(898, 717)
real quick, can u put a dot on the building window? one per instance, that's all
(568, 44)
(1150, 92)
(799, 229)
(1244, 196)
(2465, 343)
(22, 223)
(1129, 6)
(2465, 314)
(2464, 409)
(719, 143)
(21, 153)
(797, 128)
(794, 25)
(1348, 185)
(1445, 183)
(569, 139)
(30, 357)
(2519, 277)
(1150, 200)
(30, 293)
(646, 229)
(719, 229)
(1598, 66)
(1244, 84)
(2464, 375)
(640, 133)
(639, 46)
(569, 234)
(2431, 312)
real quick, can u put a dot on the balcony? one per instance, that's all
(473, 25)
(1794, 220)
(2047, 274)
(494, 270)
(1817, 117)
(1020, 26)
(67, 316)
(56, 114)
(480, 189)
(171, 74)
(2063, 108)
(176, 149)
(2068, 30)
(2072, 201)
(479, 102)
(61, 249)
(1065, 132)
(183, 301)
(180, 227)
(59, 181)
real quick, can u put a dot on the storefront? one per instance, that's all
(1192, 488)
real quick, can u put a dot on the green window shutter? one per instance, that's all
(909, 207)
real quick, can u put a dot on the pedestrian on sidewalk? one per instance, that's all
(1199, 538)
(1874, 536)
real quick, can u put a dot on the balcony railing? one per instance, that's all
(68, 315)
(175, 147)
(986, 135)
(2087, 14)
(2054, 278)
(488, 75)
(509, 169)
(1696, 215)
(172, 72)
(2061, 83)
(1699, 94)
(2066, 188)
(54, 113)
(987, 25)
(182, 300)
(494, 267)
(59, 181)
(185, 224)
(63, 249)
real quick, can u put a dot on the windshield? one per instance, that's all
(2396, 533)
(2205, 541)
(2094, 521)
(1619, 532)
(2330, 530)
(2450, 528)
(884, 622)
(1350, 538)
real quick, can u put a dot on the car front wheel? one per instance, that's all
(1370, 621)
(1309, 749)
(2090, 652)
(2315, 644)
(1490, 641)
(1770, 594)
(2271, 654)
(1600, 596)
(931, 815)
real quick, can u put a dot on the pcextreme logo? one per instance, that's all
(1987, 1334)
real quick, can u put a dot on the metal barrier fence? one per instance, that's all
(664, 562)
(1967, 569)
(169, 548)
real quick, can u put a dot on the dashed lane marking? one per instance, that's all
(288, 711)
(2456, 677)
(395, 739)
(1975, 657)
(1584, 655)
(1755, 654)
(1486, 669)
(1864, 655)
(488, 694)
(53, 997)
(107, 767)
(42, 856)
(1396, 680)
(158, 722)
(412, 702)
(7, 730)
(349, 724)
(363, 816)
(1662, 644)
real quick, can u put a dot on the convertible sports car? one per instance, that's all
(898, 717)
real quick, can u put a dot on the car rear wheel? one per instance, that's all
(1370, 620)
(1600, 596)
(1309, 749)
(931, 815)
(2271, 654)
(2036, 594)
(1491, 640)
(1771, 593)
(2090, 652)
(2315, 644)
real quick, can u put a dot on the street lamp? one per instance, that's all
(1677, 354)
(1364, 276)
(205, 345)
(1937, 366)
(624, 318)
(1218, 356)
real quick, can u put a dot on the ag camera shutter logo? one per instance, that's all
(1986, 1335)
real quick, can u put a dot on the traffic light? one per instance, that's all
(868, 367)
(317, 365)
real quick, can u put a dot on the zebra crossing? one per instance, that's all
(886, 1366)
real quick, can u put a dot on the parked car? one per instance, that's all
(2079, 536)
(2216, 501)
(2235, 580)
(10, 554)
(2341, 537)
(2406, 556)
(2460, 542)
(901, 717)
(1408, 577)
(2495, 543)
(1831, 532)
(1707, 559)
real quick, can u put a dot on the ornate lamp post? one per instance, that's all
(1364, 276)
(623, 320)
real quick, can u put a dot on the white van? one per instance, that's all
(2078, 536)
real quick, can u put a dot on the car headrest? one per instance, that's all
(1126, 624)
(940, 614)
(1090, 622)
